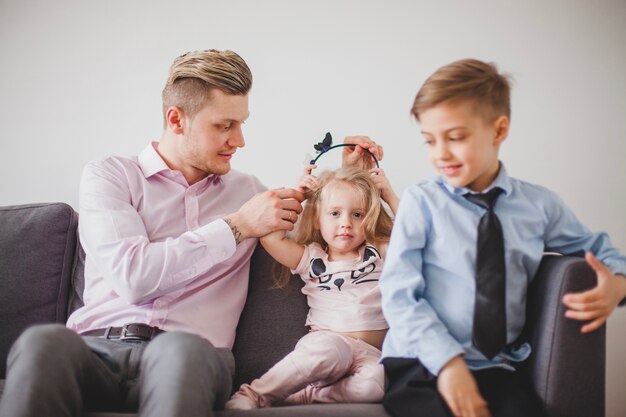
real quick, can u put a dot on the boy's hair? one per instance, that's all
(195, 74)
(466, 79)
(377, 223)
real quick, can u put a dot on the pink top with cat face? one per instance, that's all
(343, 296)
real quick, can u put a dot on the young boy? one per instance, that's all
(463, 250)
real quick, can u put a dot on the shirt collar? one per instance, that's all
(502, 181)
(151, 163)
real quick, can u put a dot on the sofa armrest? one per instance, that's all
(567, 368)
(37, 252)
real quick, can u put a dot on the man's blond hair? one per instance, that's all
(468, 79)
(195, 74)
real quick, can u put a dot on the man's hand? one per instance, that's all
(598, 303)
(267, 212)
(355, 156)
(457, 386)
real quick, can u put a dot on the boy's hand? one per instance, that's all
(356, 156)
(308, 181)
(457, 386)
(598, 303)
(384, 186)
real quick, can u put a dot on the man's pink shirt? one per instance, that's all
(157, 249)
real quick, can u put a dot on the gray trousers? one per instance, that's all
(52, 371)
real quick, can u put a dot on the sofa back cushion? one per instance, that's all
(37, 247)
(271, 323)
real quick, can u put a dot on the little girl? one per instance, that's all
(338, 250)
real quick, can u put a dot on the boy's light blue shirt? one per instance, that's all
(428, 281)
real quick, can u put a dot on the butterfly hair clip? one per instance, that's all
(327, 144)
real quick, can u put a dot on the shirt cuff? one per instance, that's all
(436, 362)
(219, 240)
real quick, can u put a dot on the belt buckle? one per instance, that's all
(137, 332)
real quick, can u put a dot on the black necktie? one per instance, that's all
(489, 332)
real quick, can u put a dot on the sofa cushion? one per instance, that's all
(272, 321)
(38, 244)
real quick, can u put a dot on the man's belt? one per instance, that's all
(133, 332)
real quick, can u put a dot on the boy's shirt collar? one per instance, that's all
(502, 181)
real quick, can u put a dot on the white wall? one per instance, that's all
(82, 79)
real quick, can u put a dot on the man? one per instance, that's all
(168, 237)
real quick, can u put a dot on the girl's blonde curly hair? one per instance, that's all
(376, 225)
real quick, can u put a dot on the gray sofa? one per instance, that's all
(41, 266)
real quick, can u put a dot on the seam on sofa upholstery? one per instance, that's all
(61, 311)
(562, 270)
(73, 294)
(72, 291)
(26, 206)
